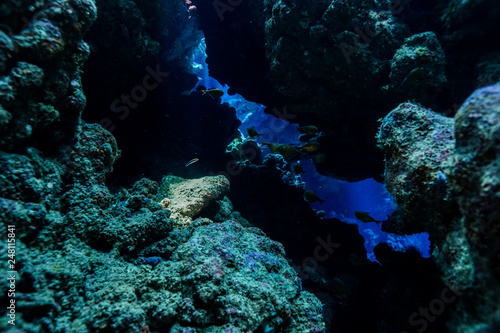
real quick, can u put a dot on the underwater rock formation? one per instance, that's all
(330, 66)
(445, 173)
(178, 256)
(42, 53)
(92, 260)
(188, 197)
(418, 145)
(341, 66)
(223, 277)
(417, 69)
(210, 276)
(333, 65)
(330, 258)
(476, 181)
(245, 151)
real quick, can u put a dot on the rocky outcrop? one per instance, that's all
(41, 57)
(445, 177)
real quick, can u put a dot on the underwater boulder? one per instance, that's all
(418, 69)
(187, 198)
(445, 177)
(476, 180)
(418, 145)
(41, 66)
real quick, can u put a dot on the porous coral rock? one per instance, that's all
(189, 197)
(222, 274)
(78, 244)
(460, 211)
(418, 145)
(92, 156)
(476, 180)
(417, 68)
(41, 55)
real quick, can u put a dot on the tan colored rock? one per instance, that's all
(189, 197)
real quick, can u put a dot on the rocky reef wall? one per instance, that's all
(444, 175)
(341, 66)
(135, 260)
(187, 253)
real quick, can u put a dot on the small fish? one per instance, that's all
(188, 2)
(297, 168)
(312, 197)
(311, 146)
(364, 217)
(283, 149)
(194, 160)
(252, 132)
(310, 130)
(412, 76)
(214, 93)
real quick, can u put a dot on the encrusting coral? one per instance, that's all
(445, 176)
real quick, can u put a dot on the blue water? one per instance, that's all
(342, 198)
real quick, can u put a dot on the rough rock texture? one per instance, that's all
(187, 198)
(476, 180)
(460, 19)
(418, 144)
(458, 205)
(417, 68)
(224, 277)
(341, 66)
(41, 56)
(327, 61)
(90, 253)
(329, 56)
(330, 258)
(331, 64)
(92, 260)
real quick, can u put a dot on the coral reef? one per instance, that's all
(92, 260)
(444, 174)
(41, 95)
(476, 181)
(207, 253)
(418, 144)
(83, 253)
(341, 66)
(330, 258)
(417, 68)
(245, 150)
(188, 198)
(225, 277)
(334, 73)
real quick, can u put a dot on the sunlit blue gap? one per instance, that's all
(342, 198)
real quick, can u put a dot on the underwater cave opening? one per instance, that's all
(341, 198)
